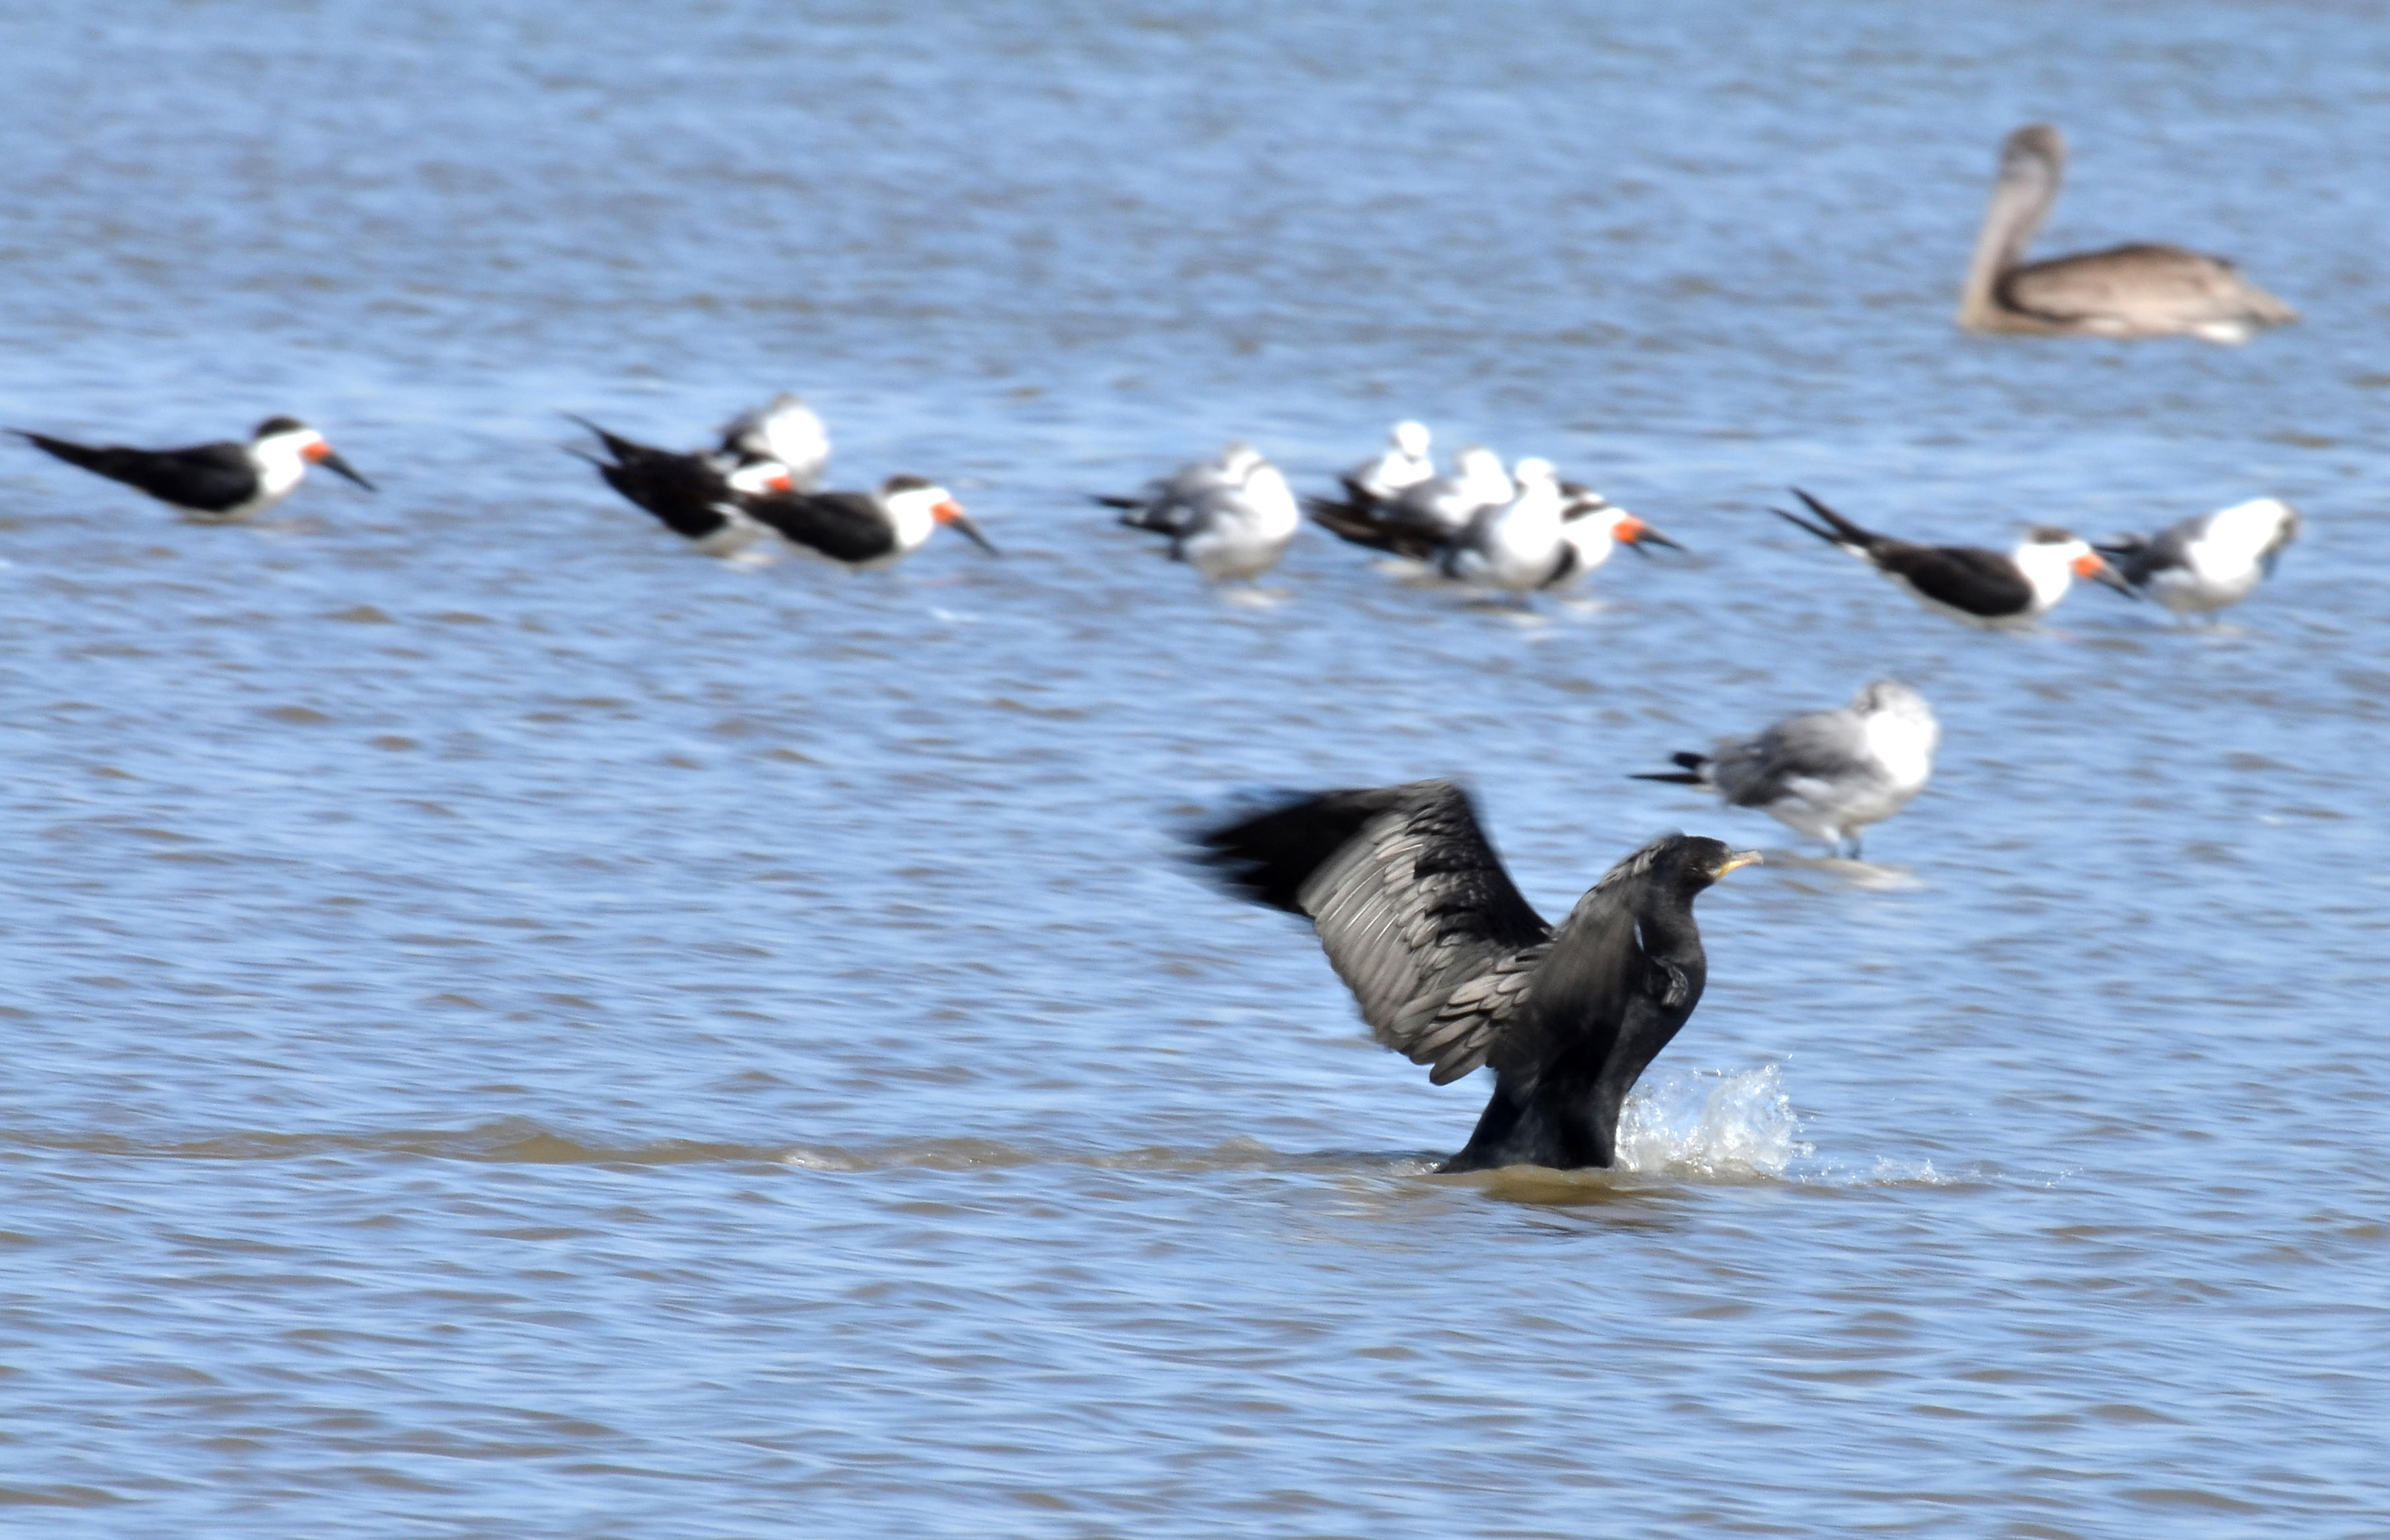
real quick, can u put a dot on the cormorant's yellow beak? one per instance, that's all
(1739, 858)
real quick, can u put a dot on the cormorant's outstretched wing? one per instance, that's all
(1411, 905)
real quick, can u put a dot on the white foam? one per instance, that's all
(1710, 1122)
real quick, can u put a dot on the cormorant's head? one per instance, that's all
(1687, 863)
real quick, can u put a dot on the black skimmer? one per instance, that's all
(1229, 518)
(866, 530)
(1968, 582)
(1453, 969)
(1595, 526)
(1404, 464)
(2203, 564)
(2138, 290)
(784, 430)
(1826, 773)
(1417, 520)
(213, 484)
(693, 495)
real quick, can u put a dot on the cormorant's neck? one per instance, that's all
(1669, 931)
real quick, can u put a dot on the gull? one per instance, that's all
(1404, 464)
(1232, 518)
(1167, 504)
(1827, 774)
(1422, 517)
(783, 430)
(2203, 564)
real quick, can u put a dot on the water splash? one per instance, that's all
(1710, 1122)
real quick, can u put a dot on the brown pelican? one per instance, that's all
(2136, 290)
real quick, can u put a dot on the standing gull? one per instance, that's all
(2138, 290)
(1229, 518)
(1453, 969)
(1167, 504)
(1418, 519)
(1826, 773)
(784, 429)
(1404, 464)
(1968, 582)
(2203, 564)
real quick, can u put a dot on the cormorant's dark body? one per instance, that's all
(1454, 969)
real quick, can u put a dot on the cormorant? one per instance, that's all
(1454, 969)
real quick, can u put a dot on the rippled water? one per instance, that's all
(516, 1029)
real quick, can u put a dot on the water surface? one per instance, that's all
(513, 1028)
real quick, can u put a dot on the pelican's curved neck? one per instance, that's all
(2020, 200)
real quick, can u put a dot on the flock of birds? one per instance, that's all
(1450, 965)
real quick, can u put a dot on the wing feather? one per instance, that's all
(1812, 746)
(2149, 285)
(1411, 906)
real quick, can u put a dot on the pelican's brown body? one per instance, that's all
(2138, 290)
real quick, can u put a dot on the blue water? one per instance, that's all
(513, 1028)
